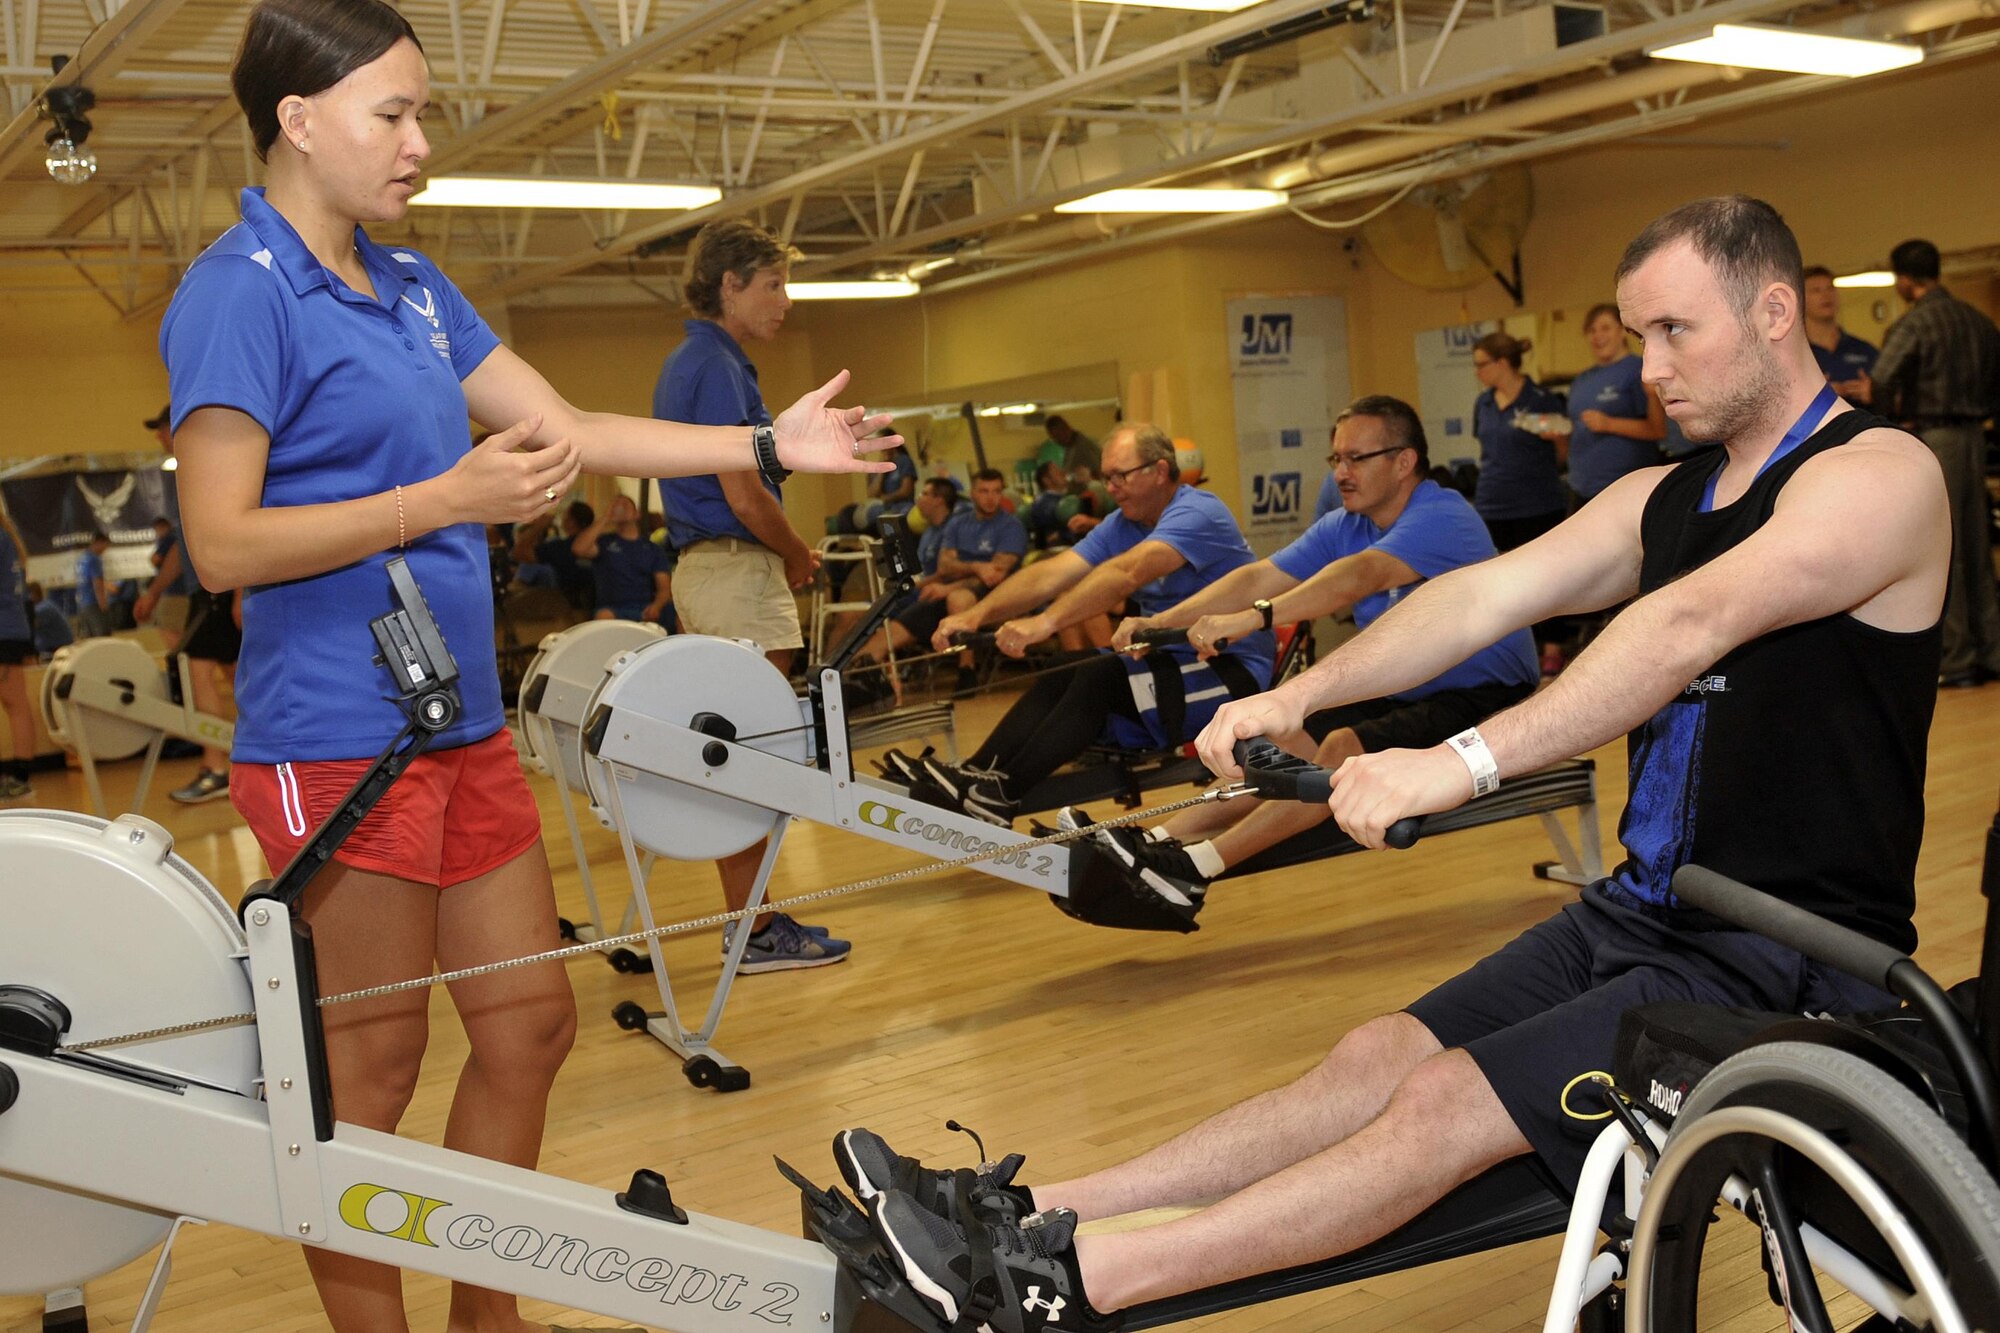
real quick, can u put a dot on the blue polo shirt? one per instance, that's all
(89, 569)
(975, 539)
(1595, 461)
(931, 541)
(1517, 470)
(1850, 358)
(1200, 528)
(358, 394)
(624, 570)
(1437, 531)
(706, 381)
(14, 626)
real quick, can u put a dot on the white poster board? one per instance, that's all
(1288, 366)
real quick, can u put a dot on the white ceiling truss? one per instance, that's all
(931, 137)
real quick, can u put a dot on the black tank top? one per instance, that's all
(1796, 764)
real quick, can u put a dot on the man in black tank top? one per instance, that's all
(1774, 674)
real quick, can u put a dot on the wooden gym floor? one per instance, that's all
(968, 997)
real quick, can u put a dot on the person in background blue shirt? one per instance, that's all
(913, 618)
(52, 629)
(17, 649)
(1845, 360)
(981, 547)
(321, 387)
(1166, 541)
(1395, 528)
(1616, 422)
(93, 592)
(634, 576)
(1520, 492)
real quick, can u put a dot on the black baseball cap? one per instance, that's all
(165, 417)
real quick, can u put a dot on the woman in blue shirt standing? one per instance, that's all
(321, 385)
(1520, 492)
(1616, 422)
(17, 649)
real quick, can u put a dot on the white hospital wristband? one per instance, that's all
(1470, 746)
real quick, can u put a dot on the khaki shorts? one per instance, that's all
(170, 613)
(736, 590)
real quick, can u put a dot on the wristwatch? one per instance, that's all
(1262, 606)
(764, 443)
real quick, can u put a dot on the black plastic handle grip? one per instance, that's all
(972, 638)
(1167, 638)
(1794, 927)
(1278, 776)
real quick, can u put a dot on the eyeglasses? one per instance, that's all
(1478, 364)
(1123, 476)
(1349, 460)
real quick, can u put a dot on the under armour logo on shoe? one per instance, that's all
(1049, 1308)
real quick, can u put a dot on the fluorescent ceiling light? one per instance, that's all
(1007, 410)
(1206, 6)
(555, 192)
(1751, 46)
(850, 291)
(1174, 201)
(1877, 278)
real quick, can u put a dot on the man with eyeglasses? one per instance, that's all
(1394, 529)
(1165, 542)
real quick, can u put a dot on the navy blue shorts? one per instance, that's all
(1544, 1009)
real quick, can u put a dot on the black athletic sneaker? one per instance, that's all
(1162, 866)
(1033, 1286)
(902, 769)
(872, 1169)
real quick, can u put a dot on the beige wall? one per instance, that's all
(1860, 169)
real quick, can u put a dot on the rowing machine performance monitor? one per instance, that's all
(1277, 776)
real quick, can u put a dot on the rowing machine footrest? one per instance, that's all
(870, 1293)
(1101, 894)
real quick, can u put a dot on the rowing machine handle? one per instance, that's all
(1794, 927)
(972, 638)
(1278, 776)
(1167, 638)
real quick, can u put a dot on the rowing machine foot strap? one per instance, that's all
(1102, 894)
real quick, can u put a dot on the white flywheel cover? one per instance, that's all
(110, 736)
(672, 680)
(128, 936)
(573, 662)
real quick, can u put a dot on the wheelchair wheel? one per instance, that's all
(1845, 1172)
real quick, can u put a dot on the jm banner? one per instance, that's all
(1288, 364)
(1447, 387)
(57, 513)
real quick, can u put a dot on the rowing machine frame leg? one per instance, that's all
(80, 735)
(1570, 868)
(63, 1312)
(593, 930)
(701, 1062)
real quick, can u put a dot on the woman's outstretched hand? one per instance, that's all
(815, 436)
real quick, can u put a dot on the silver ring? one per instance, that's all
(549, 494)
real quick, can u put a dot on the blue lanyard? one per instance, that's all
(1801, 431)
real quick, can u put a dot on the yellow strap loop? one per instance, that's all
(1594, 1075)
(612, 129)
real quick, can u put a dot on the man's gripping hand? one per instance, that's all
(1373, 791)
(1268, 714)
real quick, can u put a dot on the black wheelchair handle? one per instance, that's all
(1167, 638)
(1794, 927)
(1278, 776)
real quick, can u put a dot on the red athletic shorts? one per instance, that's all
(452, 816)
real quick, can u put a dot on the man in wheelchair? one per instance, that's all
(1166, 541)
(1775, 675)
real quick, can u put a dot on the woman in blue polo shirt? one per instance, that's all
(321, 385)
(1520, 492)
(1616, 423)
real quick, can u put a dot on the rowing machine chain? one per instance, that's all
(683, 927)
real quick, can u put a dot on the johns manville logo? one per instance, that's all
(1266, 338)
